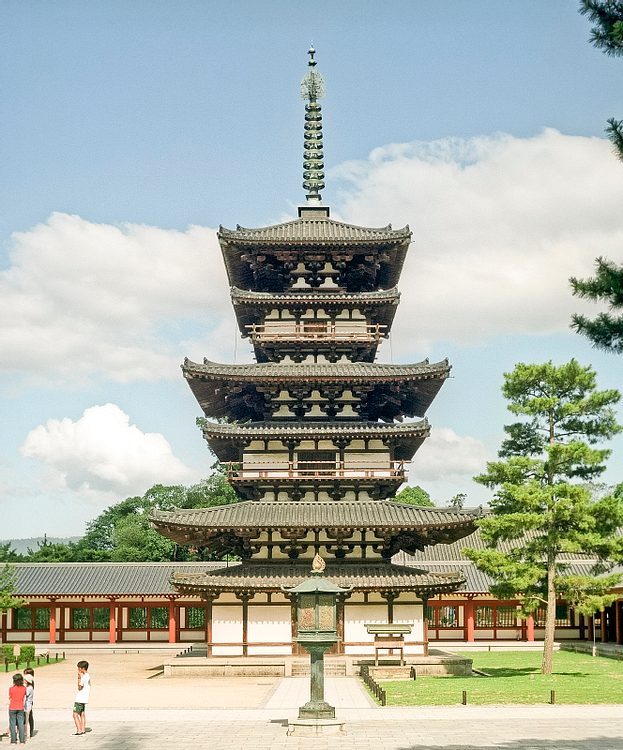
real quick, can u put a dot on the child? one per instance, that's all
(82, 698)
(17, 696)
(29, 724)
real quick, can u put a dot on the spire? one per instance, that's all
(312, 89)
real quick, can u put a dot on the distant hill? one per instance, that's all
(21, 546)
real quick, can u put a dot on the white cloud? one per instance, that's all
(499, 224)
(81, 298)
(448, 457)
(102, 457)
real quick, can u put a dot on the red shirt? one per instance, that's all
(17, 693)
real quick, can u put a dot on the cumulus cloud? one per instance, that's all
(101, 456)
(81, 299)
(499, 224)
(448, 457)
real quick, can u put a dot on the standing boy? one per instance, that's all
(82, 698)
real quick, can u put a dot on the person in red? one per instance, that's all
(17, 715)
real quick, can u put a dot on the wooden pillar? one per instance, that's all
(469, 620)
(244, 598)
(112, 622)
(61, 623)
(591, 628)
(582, 626)
(52, 623)
(604, 626)
(425, 596)
(172, 621)
(296, 648)
(530, 628)
(618, 619)
(339, 613)
(209, 599)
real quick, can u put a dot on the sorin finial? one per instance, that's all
(312, 89)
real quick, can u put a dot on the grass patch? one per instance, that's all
(516, 678)
(10, 667)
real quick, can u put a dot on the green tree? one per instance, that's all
(8, 554)
(458, 501)
(606, 331)
(8, 600)
(538, 514)
(414, 496)
(607, 35)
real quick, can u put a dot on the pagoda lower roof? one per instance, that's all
(224, 438)
(314, 231)
(441, 525)
(339, 371)
(362, 576)
(314, 297)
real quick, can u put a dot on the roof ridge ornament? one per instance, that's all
(312, 89)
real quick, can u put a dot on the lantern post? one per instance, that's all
(317, 632)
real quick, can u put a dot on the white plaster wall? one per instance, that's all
(227, 628)
(355, 618)
(412, 614)
(269, 624)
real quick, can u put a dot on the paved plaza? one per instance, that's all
(132, 709)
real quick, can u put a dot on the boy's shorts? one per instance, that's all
(79, 708)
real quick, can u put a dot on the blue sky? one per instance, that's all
(132, 130)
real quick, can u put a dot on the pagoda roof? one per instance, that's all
(339, 371)
(437, 525)
(294, 241)
(314, 231)
(250, 306)
(362, 576)
(240, 391)
(315, 298)
(225, 438)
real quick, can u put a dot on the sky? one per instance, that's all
(131, 131)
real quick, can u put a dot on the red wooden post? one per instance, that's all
(172, 621)
(530, 628)
(469, 619)
(604, 626)
(52, 622)
(618, 622)
(591, 627)
(112, 622)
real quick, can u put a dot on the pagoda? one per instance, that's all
(311, 436)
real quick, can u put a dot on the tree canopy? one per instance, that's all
(7, 589)
(606, 330)
(414, 496)
(122, 532)
(538, 513)
(607, 35)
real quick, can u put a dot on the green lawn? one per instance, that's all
(515, 678)
(33, 663)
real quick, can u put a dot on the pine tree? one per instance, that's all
(538, 513)
(606, 331)
(607, 35)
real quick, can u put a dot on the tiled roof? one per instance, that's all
(327, 430)
(323, 230)
(275, 299)
(101, 579)
(363, 576)
(352, 514)
(349, 371)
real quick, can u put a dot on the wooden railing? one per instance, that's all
(291, 470)
(316, 332)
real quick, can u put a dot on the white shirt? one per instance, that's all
(83, 695)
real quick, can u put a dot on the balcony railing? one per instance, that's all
(301, 470)
(322, 332)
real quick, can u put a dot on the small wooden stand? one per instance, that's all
(389, 637)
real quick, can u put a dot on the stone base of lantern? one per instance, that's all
(315, 727)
